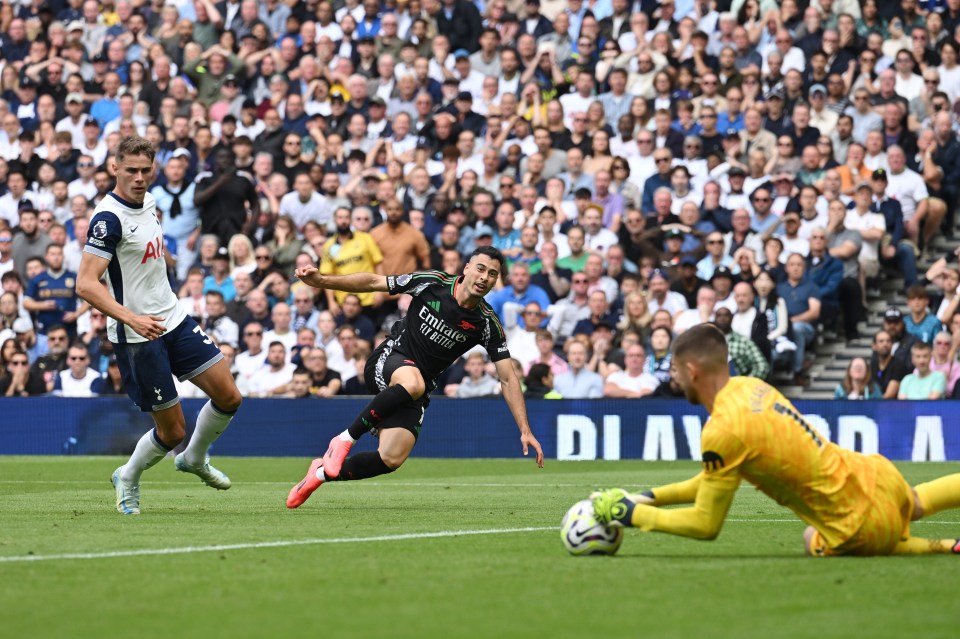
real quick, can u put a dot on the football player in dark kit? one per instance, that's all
(448, 316)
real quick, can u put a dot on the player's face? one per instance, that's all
(681, 372)
(480, 275)
(134, 175)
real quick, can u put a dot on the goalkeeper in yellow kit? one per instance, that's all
(854, 504)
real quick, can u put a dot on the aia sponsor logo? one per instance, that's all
(154, 250)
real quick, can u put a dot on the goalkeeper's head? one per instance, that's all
(699, 362)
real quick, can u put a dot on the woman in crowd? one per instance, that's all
(599, 158)
(858, 383)
(636, 315)
(540, 383)
(18, 380)
(944, 359)
(774, 309)
(285, 246)
(241, 254)
(620, 183)
(658, 359)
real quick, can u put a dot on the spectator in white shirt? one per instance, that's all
(251, 360)
(703, 313)
(634, 382)
(76, 380)
(282, 332)
(275, 375)
(303, 204)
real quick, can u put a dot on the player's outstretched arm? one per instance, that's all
(513, 394)
(703, 520)
(353, 283)
(683, 492)
(90, 290)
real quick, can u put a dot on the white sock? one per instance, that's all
(210, 425)
(345, 436)
(320, 474)
(148, 452)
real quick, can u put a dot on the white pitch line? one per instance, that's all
(271, 544)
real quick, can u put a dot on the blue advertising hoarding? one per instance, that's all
(567, 429)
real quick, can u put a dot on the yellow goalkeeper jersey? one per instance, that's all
(755, 433)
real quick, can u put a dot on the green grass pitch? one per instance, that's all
(356, 560)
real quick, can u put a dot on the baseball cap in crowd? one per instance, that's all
(459, 54)
(249, 104)
(98, 57)
(91, 122)
(879, 174)
(75, 25)
(74, 97)
(366, 40)
(688, 260)
(736, 172)
(603, 325)
(658, 273)
(722, 271)
(674, 233)
(181, 153)
(818, 88)
(465, 95)
(892, 314)
(423, 143)
(27, 83)
(776, 94)
(377, 101)
(222, 254)
(337, 95)
(229, 79)
(483, 231)
(26, 205)
(22, 325)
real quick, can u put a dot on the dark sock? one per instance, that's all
(361, 466)
(379, 408)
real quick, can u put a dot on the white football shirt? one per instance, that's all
(129, 235)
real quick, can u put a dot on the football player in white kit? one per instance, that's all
(153, 337)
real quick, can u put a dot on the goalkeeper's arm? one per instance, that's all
(684, 492)
(703, 520)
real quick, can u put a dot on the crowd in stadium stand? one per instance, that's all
(644, 166)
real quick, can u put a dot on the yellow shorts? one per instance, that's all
(887, 522)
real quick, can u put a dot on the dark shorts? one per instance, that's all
(147, 368)
(380, 366)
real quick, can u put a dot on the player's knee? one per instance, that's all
(917, 506)
(415, 387)
(392, 460)
(172, 435)
(230, 401)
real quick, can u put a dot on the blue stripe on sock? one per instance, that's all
(159, 442)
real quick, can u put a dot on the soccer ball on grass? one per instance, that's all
(583, 535)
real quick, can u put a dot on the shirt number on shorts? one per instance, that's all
(795, 416)
(206, 340)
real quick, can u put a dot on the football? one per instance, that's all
(583, 535)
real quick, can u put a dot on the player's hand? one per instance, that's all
(148, 326)
(309, 275)
(527, 440)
